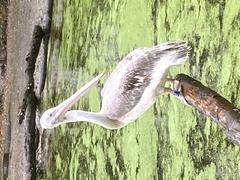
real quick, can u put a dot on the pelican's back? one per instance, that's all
(140, 72)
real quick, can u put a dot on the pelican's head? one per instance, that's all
(55, 116)
(50, 118)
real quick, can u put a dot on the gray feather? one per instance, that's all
(127, 83)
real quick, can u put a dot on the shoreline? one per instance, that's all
(20, 140)
(3, 58)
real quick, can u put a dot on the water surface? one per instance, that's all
(171, 140)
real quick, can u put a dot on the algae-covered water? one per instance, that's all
(171, 140)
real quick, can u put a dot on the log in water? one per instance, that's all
(210, 103)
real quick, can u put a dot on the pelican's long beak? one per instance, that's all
(62, 108)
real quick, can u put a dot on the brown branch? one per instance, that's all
(210, 103)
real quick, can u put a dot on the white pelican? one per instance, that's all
(129, 91)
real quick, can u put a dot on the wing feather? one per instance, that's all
(130, 84)
(126, 85)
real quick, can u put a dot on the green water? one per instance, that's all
(171, 140)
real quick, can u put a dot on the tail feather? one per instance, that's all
(174, 52)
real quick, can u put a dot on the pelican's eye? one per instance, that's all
(51, 114)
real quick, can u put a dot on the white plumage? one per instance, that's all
(130, 90)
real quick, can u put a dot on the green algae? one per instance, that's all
(171, 140)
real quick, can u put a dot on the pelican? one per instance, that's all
(130, 90)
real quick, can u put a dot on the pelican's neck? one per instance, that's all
(96, 118)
